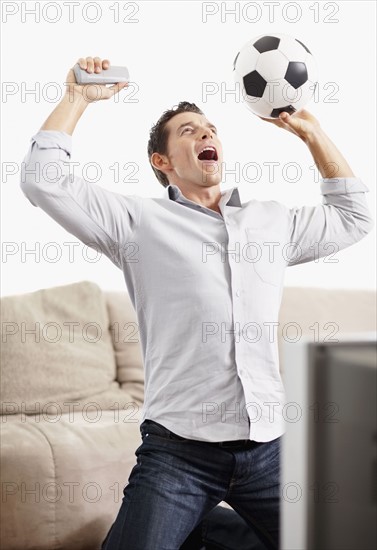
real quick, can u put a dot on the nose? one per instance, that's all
(207, 133)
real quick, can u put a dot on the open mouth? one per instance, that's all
(208, 153)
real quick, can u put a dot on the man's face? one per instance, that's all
(190, 134)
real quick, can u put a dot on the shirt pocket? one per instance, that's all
(264, 252)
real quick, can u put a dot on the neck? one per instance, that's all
(208, 197)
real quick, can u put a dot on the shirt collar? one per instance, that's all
(229, 197)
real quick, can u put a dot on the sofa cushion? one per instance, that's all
(56, 348)
(63, 481)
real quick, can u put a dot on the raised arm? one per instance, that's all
(101, 219)
(344, 217)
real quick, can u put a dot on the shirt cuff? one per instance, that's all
(53, 139)
(341, 186)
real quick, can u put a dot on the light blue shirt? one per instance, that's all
(206, 287)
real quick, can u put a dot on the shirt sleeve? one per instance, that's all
(341, 220)
(101, 219)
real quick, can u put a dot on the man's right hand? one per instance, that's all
(92, 92)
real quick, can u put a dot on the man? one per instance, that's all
(205, 274)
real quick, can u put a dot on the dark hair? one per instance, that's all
(158, 137)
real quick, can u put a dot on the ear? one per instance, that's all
(160, 162)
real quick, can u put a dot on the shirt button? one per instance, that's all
(238, 293)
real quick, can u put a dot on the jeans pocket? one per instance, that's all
(150, 428)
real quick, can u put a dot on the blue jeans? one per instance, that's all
(170, 501)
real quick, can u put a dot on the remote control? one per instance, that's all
(112, 75)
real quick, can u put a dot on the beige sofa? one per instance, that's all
(71, 397)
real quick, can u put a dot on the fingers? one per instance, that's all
(97, 64)
(284, 116)
(293, 124)
(93, 64)
(288, 121)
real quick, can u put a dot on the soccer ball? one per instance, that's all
(275, 73)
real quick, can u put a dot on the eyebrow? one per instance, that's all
(193, 124)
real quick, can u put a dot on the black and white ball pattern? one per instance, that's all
(275, 73)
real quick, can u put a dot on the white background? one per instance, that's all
(171, 51)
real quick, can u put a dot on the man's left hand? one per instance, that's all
(302, 123)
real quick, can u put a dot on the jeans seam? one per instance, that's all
(232, 479)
